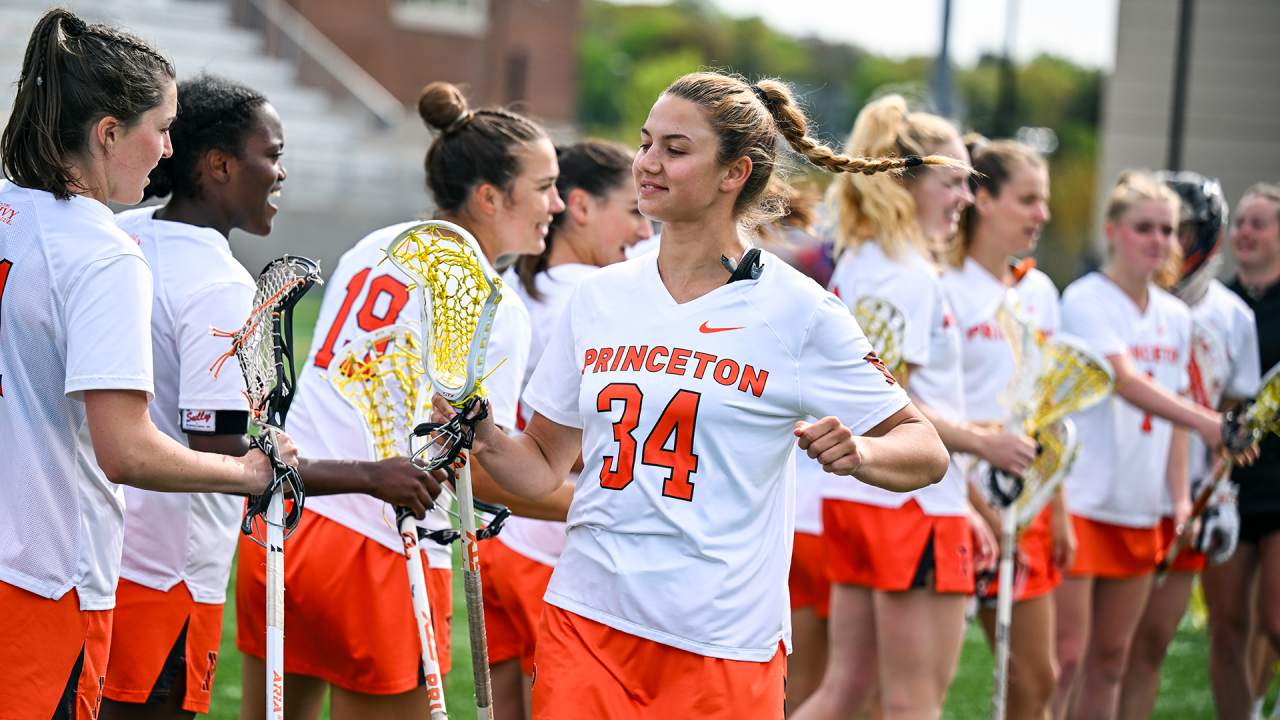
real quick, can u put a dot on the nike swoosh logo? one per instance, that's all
(704, 329)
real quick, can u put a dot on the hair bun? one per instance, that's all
(72, 26)
(442, 106)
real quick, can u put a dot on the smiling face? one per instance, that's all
(1255, 234)
(1015, 217)
(941, 193)
(676, 170)
(257, 174)
(523, 215)
(133, 151)
(1143, 237)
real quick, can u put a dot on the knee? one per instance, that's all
(1070, 656)
(1149, 651)
(1108, 662)
(1034, 687)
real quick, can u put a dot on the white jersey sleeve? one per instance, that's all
(687, 412)
(107, 348)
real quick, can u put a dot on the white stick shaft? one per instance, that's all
(275, 606)
(422, 618)
(471, 584)
(1004, 610)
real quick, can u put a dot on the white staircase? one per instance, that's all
(346, 176)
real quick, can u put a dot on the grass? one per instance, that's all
(1184, 685)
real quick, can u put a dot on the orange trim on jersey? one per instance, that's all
(348, 613)
(881, 548)
(147, 624)
(513, 589)
(1114, 552)
(808, 581)
(1022, 267)
(40, 642)
(1036, 575)
(1188, 560)
(588, 670)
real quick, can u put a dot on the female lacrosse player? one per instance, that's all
(1010, 208)
(600, 221)
(1130, 448)
(1229, 588)
(226, 165)
(90, 120)
(686, 384)
(1222, 369)
(902, 565)
(351, 625)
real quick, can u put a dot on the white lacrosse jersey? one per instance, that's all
(681, 525)
(187, 537)
(1224, 363)
(932, 345)
(976, 296)
(542, 540)
(1119, 475)
(367, 292)
(75, 315)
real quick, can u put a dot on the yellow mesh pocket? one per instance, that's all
(1071, 379)
(458, 300)
(379, 375)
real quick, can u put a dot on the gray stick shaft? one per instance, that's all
(1004, 611)
(474, 594)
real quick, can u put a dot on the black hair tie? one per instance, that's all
(762, 95)
(914, 161)
(73, 27)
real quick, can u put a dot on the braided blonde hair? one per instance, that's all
(882, 209)
(747, 119)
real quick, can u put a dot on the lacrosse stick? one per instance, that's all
(459, 301)
(379, 378)
(264, 348)
(1241, 429)
(1059, 378)
(886, 329)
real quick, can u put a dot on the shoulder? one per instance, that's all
(377, 240)
(790, 303)
(1233, 304)
(1089, 287)
(1037, 283)
(1170, 304)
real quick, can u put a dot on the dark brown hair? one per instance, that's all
(596, 166)
(473, 146)
(993, 164)
(747, 119)
(73, 75)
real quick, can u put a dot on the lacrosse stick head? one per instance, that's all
(459, 302)
(885, 326)
(1072, 378)
(264, 344)
(378, 376)
(1057, 449)
(1245, 427)
(1025, 342)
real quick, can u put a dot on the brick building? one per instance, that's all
(504, 51)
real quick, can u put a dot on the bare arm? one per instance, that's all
(397, 481)
(531, 465)
(1010, 453)
(132, 451)
(902, 453)
(1149, 396)
(1177, 475)
(552, 507)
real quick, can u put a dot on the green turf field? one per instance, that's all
(1184, 687)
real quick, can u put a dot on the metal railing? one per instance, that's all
(290, 36)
